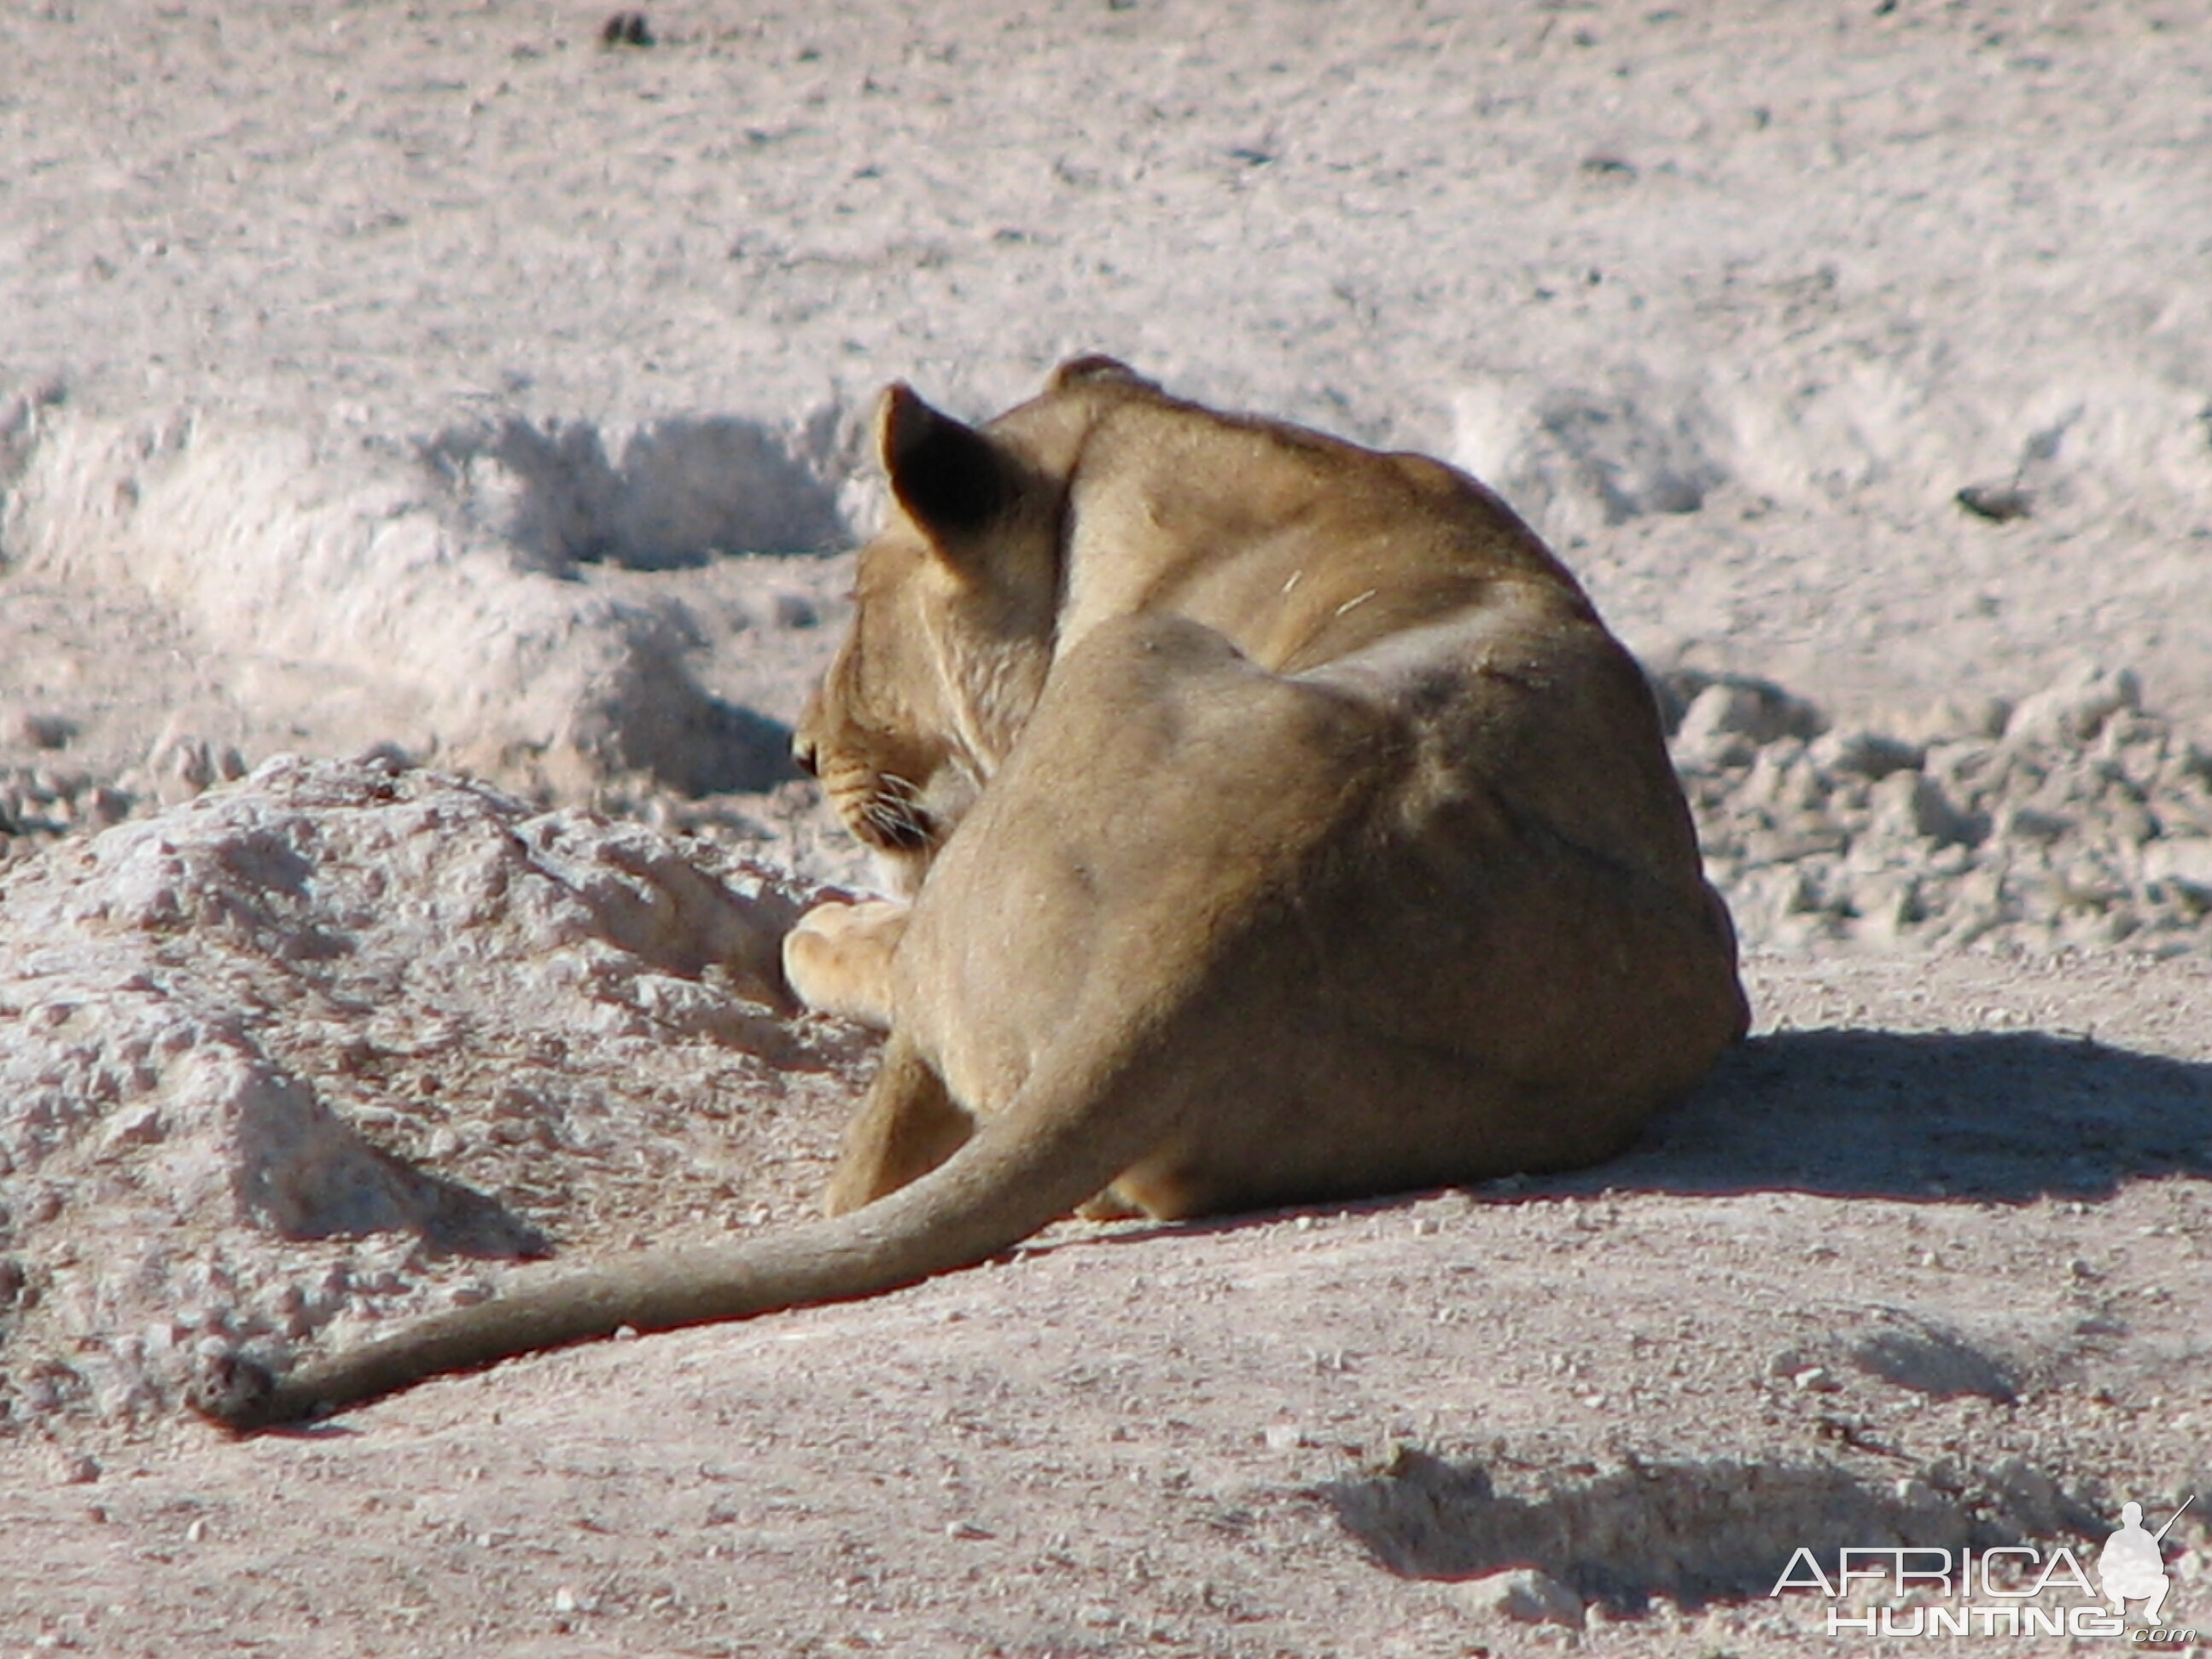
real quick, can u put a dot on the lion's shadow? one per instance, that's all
(1979, 1117)
(1694, 1531)
(2008, 1116)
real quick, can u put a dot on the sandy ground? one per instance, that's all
(352, 353)
(1875, 1252)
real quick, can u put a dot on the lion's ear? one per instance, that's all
(1092, 368)
(950, 478)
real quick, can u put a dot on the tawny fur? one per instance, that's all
(1280, 824)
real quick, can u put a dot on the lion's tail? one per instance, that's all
(1057, 1143)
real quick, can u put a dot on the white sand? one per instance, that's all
(1817, 273)
(434, 377)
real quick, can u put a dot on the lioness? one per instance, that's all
(1280, 824)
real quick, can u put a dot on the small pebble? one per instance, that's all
(76, 1470)
(2000, 503)
(39, 728)
(1524, 1596)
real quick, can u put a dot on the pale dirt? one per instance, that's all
(1196, 1441)
(1946, 1220)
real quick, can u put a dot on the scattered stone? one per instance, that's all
(1524, 1595)
(2000, 503)
(2182, 864)
(2033, 824)
(104, 807)
(237, 1030)
(1953, 720)
(1912, 804)
(2076, 707)
(183, 767)
(39, 803)
(1737, 705)
(2083, 821)
(37, 728)
(791, 608)
(1865, 754)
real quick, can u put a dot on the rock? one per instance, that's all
(2132, 824)
(2075, 708)
(1889, 907)
(2186, 863)
(1864, 754)
(36, 728)
(104, 807)
(447, 581)
(2000, 503)
(792, 609)
(1575, 461)
(2031, 824)
(1726, 719)
(1963, 718)
(182, 766)
(1524, 1595)
(211, 1008)
(1912, 805)
(1979, 904)
(1860, 833)
(1783, 777)
(1756, 708)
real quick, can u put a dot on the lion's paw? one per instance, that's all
(838, 959)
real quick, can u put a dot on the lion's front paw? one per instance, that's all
(838, 959)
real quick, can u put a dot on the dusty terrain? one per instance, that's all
(439, 386)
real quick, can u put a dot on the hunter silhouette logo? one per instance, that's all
(2007, 1589)
(2132, 1567)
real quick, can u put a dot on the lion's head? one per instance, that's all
(956, 605)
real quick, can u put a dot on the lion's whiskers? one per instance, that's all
(893, 807)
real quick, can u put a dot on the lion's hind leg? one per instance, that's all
(908, 1125)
